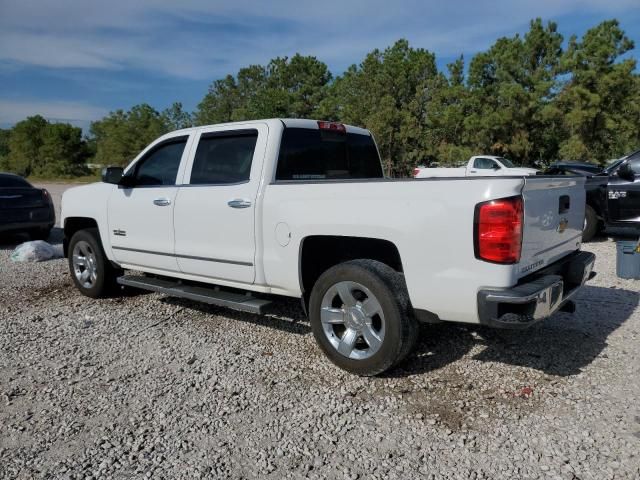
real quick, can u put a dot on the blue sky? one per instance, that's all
(74, 60)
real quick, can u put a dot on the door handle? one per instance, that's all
(239, 203)
(162, 202)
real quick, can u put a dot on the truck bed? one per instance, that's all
(431, 222)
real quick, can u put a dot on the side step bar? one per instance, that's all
(211, 295)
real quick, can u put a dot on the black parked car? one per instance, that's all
(24, 208)
(613, 193)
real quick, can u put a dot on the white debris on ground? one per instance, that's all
(35, 251)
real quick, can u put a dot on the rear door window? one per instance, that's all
(309, 154)
(224, 157)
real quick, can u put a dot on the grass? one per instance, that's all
(82, 179)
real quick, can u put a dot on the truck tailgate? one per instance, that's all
(553, 220)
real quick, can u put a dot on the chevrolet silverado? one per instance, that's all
(237, 214)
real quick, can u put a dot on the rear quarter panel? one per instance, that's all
(430, 221)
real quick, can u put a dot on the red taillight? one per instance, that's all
(333, 126)
(498, 230)
(416, 171)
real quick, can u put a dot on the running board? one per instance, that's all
(212, 295)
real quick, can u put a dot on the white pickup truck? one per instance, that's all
(479, 165)
(240, 213)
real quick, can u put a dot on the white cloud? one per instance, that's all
(220, 36)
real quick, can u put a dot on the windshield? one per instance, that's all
(614, 165)
(506, 163)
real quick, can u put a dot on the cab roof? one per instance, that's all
(287, 122)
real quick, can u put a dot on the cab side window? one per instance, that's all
(224, 157)
(160, 165)
(635, 166)
(484, 163)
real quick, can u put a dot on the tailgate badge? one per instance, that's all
(562, 226)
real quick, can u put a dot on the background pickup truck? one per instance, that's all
(239, 213)
(481, 165)
(613, 193)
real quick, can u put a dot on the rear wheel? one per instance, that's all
(591, 224)
(90, 268)
(361, 316)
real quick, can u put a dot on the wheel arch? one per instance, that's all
(74, 224)
(318, 253)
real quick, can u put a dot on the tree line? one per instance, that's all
(532, 98)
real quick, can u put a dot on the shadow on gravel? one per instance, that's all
(9, 241)
(561, 345)
(287, 315)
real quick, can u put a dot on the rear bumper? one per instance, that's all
(19, 220)
(536, 296)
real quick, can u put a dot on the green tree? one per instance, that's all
(284, 88)
(448, 107)
(388, 93)
(37, 147)
(25, 141)
(63, 152)
(4, 148)
(599, 100)
(121, 135)
(511, 93)
(176, 118)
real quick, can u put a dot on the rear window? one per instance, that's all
(307, 154)
(223, 158)
(10, 181)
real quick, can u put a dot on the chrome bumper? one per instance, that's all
(538, 296)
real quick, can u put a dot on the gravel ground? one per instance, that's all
(148, 386)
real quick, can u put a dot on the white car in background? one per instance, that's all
(479, 165)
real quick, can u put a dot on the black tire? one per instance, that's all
(105, 274)
(591, 224)
(40, 233)
(389, 288)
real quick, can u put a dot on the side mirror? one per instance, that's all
(496, 166)
(625, 172)
(112, 175)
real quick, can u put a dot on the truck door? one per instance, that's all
(214, 217)
(623, 193)
(140, 215)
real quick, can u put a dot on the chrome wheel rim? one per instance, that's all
(85, 266)
(352, 320)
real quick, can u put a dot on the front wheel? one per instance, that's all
(91, 271)
(361, 316)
